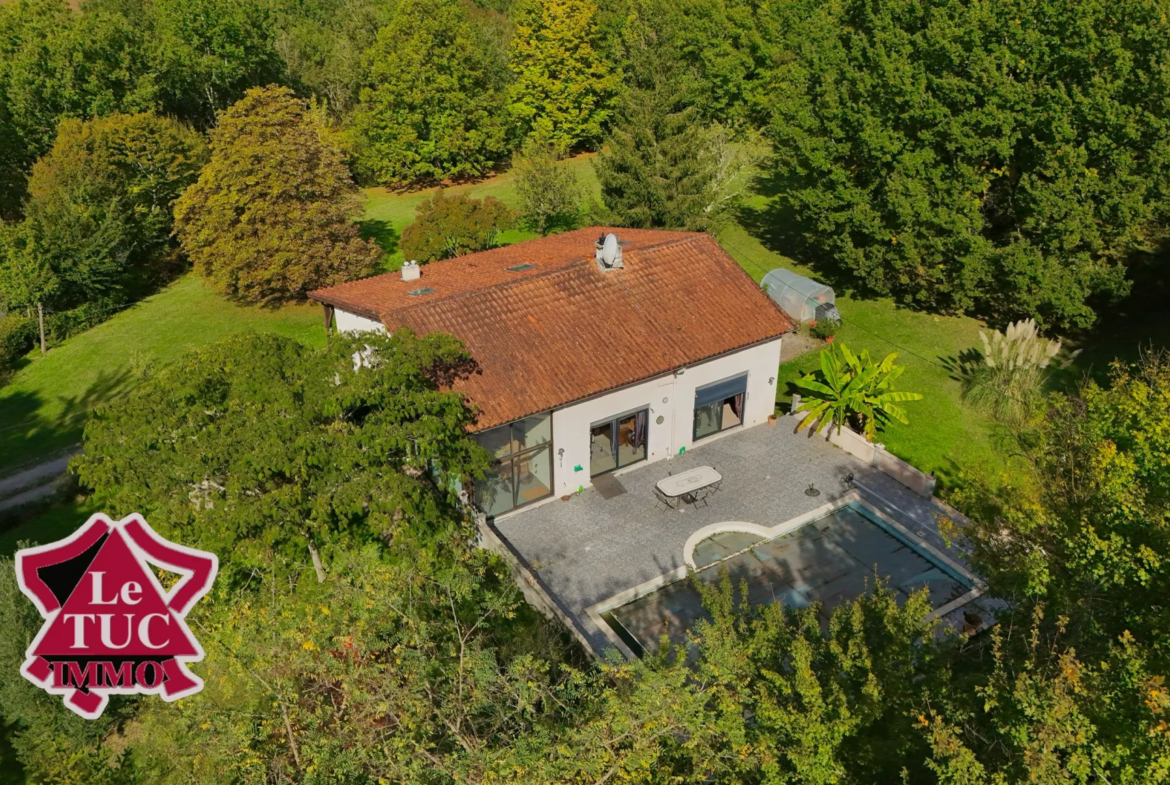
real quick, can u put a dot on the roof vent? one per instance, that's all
(420, 292)
(411, 271)
(609, 252)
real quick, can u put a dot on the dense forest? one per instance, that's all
(1005, 160)
(1002, 159)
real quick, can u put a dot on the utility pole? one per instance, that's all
(41, 321)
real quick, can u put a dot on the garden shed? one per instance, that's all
(801, 298)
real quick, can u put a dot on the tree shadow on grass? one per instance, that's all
(382, 233)
(962, 366)
(1138, 322)
(776, 226)
(27, 438)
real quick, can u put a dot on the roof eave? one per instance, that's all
(642, 380)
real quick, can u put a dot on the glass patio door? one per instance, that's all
(522, 472)
(617, 443)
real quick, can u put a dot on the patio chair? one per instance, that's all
(662, 499)
(699, 496)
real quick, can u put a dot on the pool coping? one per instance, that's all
(854, 496)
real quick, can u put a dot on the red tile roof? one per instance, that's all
(564, 330)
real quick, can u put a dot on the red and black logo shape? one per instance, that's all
(110, 626)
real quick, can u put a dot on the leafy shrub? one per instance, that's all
(448, 226)
(65, 324)
(548, 191)
(824, 329)
(18, 335)
(1008, 380)
(851, 389)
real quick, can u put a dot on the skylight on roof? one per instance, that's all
(521, 267)
(420, 292)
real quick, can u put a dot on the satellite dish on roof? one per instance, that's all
(609, 252)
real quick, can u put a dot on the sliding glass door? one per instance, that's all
(617, 443)
(719, 406)
(522, 472)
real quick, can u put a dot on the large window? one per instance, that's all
(719, 406)
(617, 443)
(522, 472)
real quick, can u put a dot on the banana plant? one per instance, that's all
(853, 388)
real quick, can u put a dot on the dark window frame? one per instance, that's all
(613, 423)
(695, 437)
(513, 458)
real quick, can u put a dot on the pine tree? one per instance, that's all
(657, 168)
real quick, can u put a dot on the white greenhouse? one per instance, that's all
(801, 298)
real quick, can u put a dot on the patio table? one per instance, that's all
(689, 485)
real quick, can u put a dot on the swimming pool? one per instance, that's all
(829, 559)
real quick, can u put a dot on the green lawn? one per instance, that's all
(42, 410)
(389, 212)
(944, 436)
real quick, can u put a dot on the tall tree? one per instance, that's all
(657, 168)
(564, 88)
(26, 279)
(322, 45)
(209, 52)
(260, 442)
(434, 104)
(272, 214)
(12, 162)
(714, 46)
(57, 63)
(663, 165)
(100, 201)
(1003, 157)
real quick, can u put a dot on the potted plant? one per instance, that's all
(826, 330)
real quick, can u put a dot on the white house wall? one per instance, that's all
(673, 398)
(352, 323)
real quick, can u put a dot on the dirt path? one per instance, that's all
(794, 344)
(34, 483)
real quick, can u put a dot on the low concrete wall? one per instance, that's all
(853, 443)
(917, 481)
(530, 587)
(875, 455)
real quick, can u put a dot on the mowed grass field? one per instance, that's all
(389, 212)
(43, 409)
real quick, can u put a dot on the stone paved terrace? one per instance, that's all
(587, 549)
